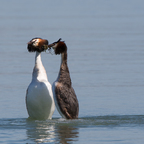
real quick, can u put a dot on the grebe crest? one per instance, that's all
(37, 44)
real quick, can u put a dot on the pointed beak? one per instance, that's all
(51, 45)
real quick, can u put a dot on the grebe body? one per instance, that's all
(39, 96)
(64, 94)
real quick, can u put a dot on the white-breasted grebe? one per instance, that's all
(39, 97)
(64, 95)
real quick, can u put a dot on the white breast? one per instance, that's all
(39, 98)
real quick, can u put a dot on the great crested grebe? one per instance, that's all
(64, 95)
(39, 97)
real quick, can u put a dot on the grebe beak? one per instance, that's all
(52, 45)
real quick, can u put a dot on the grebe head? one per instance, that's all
(59, 47)
(37, 44)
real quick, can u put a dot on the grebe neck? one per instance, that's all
(64, 76)
(39, 72)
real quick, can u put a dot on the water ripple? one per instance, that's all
(59, 130)
(103, 121)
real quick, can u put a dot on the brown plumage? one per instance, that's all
(65, 97)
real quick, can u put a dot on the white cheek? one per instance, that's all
(36, 41)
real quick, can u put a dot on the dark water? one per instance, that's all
(105, 42)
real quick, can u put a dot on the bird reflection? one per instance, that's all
(51, 131)
(40, 131)
(66, 134)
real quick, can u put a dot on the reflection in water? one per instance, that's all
(51, 131)
(39, 131)
(66, 133)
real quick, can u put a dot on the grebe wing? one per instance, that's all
(67, 101)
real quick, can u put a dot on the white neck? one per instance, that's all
(39, 72)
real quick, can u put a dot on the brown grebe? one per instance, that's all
(64, 95)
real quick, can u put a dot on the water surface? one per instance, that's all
(86, 129)
(105, 59)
